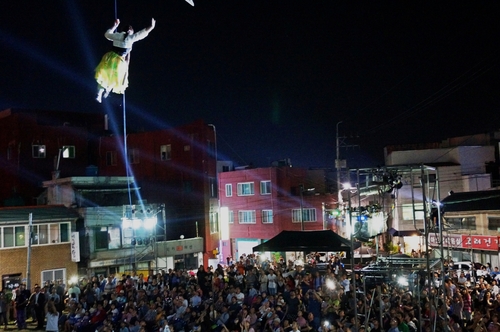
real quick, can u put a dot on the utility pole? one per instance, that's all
(339, 163)
(301, 187)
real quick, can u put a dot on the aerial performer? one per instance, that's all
(112, 72)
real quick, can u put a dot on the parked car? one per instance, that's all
(467, 268)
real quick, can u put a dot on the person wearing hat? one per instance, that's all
(275, 326)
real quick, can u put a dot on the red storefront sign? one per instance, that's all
(481, 242)
(463, 241)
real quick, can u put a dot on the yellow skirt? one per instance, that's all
(112, 73)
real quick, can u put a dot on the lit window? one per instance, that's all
(51, 233)
(308, 215)
(68, 151)
(267, 216)
(166, 152)
(408, 210)
(38, 151)
(229, 190)
(246, 217)
(265, 187)
(214, 223)
(213, 187)
(14, 236)
(245, 189)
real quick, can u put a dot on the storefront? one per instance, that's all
(467, 247)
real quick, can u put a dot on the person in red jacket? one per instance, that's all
(99, 315)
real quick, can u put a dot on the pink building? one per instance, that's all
(262, 202)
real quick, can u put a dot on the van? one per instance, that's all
(467, 268)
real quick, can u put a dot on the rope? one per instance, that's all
(125, 148)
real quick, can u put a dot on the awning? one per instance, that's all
(321, 241)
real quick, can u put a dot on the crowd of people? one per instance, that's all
(254, 295)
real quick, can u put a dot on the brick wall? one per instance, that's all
(43, 258)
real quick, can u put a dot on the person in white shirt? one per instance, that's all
(52, 317)
(112, 72)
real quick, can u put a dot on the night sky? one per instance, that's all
(273, 76)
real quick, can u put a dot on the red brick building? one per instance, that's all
(262, 202)
(34, 143)
(175, 167)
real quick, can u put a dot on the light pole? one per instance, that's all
(353, 273)
(301, 187)
(337, 162)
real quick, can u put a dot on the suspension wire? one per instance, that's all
(125, 148)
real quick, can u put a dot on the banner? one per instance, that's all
(75, 247)
(465, 241)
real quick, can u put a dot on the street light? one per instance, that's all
(337, 162)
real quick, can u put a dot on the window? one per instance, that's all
(65, 232)
(231, 217)
(133, 155)
(308, 215)
(166, 152)
(214, 223)
(461, 223)
(265, 187)
(246, 216)
(245, 189)
(38, 151)
(8, 237)
(110, 158)
(68, 151)
(107, 237)
(41, 234)
(52, 275)
(187, 186)
(14, 237)
(229, 190)
(267, 216)
(213, 187)
(407, 210)
(494, 224)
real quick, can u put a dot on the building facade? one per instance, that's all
(49, 256)
(259, 203)
(471, 224)
(449, 167)
(37, 143)
(176, 168)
